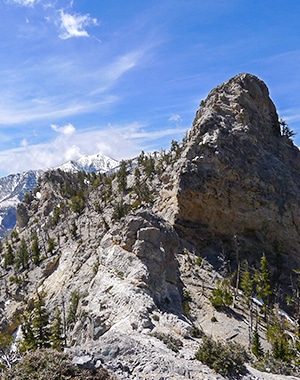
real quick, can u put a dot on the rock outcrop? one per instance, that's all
(238, 177)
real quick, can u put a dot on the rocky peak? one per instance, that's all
(237, 175)
(240, 105)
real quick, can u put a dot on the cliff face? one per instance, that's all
(238, 176)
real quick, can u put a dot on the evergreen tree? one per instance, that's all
(74, 301)
(56, 215)
(51, 245)
(107, 193)
(120, 210)
(285, 129)
(137, 182)
(278, 349)
(57, 334)
(28, 343)
(221, 296)
(257, 349)
(8, 255)
(247, 285)
(175, 149)
(149, 166)
(276, 335)
(122, 177)
(141, 158)
(77, 203)
(22, 256)
(40, 323)
(74, 229)
(35, 250)
(262, 279)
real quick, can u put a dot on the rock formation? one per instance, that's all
(139, 250)
(238, 176)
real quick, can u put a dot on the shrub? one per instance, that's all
(221, 297)
(51, 245)
(270, 364)
(186, 302)
(120, 210)
(228, 359)
(51, 365)
(199, 261)
(172, 343)
(77, 204)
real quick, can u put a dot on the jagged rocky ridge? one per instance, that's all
(14, 186)
(129, 245)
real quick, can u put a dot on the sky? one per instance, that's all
(80, 77)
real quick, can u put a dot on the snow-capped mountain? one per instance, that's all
(94, 163)
(14, 186)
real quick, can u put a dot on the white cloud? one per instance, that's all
(24, 143)
(67, 130)
(74, 25)
(116, 141)
(176, 118)
(25, 3)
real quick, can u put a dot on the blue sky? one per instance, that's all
(88, 76)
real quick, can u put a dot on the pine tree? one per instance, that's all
(77, 203)
(35, 250)
(40, 323)
(74, 301)
(262, 279)
(51, 245)
(8, 255)
(22, 256)
(247, 285)
(285, 129)
(149, 166)
(175, 149)
(57, 334)
(137, 183)
(221, 296)
(257, 349)
(28, 343)
(122, 177)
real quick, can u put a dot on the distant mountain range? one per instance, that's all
(14, 186)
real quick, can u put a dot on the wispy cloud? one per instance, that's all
(12, 113)
(75, 25)
(175, 118)
(24, 99)
(24, 3)
(290, 115)
(104, 78)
